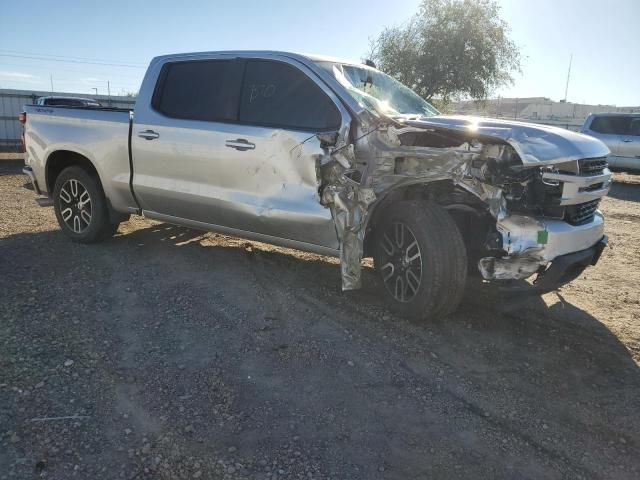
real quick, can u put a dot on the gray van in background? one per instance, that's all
(621, 133)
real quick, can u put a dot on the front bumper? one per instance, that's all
(547, 239)
(554, 250)
(568, 267)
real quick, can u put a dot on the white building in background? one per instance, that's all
(536, 109)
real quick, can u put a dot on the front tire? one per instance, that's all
(81, 207)
(421, 258)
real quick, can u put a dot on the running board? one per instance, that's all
(45, 201)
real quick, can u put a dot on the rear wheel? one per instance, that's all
(81, 207)
(421, 258)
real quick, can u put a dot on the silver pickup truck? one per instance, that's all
(334, 157)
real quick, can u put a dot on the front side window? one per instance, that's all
(279, 95)
(612, 125)
(199, 90)
(634, 129)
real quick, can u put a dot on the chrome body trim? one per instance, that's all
(575, 188)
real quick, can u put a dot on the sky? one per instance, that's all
(80, 45)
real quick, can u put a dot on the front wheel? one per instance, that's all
(421, 258)
(81, 207)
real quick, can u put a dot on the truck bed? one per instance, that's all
(99, 134)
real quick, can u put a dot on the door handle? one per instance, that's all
(627, 140)
(240, 144)
(148, 134)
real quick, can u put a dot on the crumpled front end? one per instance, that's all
(530, 244)
(349, 202)
(534, 210)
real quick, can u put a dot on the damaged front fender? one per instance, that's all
(349, 203)
(481, 156)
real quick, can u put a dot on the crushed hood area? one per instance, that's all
(535, 144)
(389, 153)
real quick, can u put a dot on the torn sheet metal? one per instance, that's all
(349, 203)
(489, 194)
(350, 191)
(509, 268)
(355, 177)
(524, 239)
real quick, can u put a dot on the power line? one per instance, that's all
(39, 54)
(110, 73)
(73, 81)
(69, 85)
(70, 61)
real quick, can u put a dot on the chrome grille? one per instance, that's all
(582, 213)
(592, 166)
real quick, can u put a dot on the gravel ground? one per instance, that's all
(167, 353)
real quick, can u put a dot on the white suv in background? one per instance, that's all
(621, 133)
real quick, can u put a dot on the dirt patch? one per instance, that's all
(627, 177)
(169, 353)
(11, 156)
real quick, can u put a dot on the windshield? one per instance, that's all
(380, 93)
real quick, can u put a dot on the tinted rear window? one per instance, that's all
(279, 95)
(63, 102)
(611, 125)
(201, 90)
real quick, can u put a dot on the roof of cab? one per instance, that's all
(615, 114)
(300, 56)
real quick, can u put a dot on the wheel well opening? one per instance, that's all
(470, 214)
(62, 159)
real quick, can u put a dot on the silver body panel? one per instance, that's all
(190, 172)
(99, 135)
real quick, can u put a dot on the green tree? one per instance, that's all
(450, 49)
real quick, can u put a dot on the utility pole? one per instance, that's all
(51, 78)
(94, 88)
(109, 92)
(566, 88)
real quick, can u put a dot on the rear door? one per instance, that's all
(178, 141)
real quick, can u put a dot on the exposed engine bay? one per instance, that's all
(522, 194)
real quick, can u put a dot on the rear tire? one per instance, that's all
(421, 257)
(81, 207)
